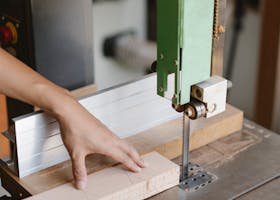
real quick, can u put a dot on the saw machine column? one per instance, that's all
(185, 39)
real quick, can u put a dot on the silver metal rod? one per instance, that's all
(185, 149)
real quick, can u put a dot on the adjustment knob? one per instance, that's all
(6, 35)
(154, 66)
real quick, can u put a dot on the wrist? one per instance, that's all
(63, 104)
(61, 108)
(55, 100)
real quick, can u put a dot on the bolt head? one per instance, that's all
(221, 29)
(212, 108)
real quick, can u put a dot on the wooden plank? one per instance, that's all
(165, 139)
(84, 91)
(117, 183)
(4, 144)
(267, 74)
(276, 106)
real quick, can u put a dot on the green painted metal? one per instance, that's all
(168, 37)
(184, 38)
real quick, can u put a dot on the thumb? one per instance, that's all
(79, 171)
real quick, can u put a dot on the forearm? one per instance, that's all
(81, 132)
(20, 82)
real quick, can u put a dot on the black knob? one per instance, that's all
(154, 66)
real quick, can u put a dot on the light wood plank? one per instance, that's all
(116, 183)
(4, 144)
(84, 91)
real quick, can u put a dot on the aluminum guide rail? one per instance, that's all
(126, 110)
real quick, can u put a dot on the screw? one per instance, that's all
(198, 93)
(161, 89)
(212, 108)
(221, 29)
(161, 56)
(154, 66)
(189, 111)
(176, 63)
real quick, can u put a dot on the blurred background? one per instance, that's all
(102, 43)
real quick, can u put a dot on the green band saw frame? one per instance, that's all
(184, 40)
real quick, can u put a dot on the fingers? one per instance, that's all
(127, 155)
(122, 157)
(79, 171)
(131, 151)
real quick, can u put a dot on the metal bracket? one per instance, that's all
(197, 179)
(11, 160)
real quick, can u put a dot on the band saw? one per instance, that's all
(187, 86)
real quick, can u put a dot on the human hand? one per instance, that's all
(83, 134)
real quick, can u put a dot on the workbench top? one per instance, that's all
(246, 164)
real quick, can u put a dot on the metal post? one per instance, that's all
(186, 148)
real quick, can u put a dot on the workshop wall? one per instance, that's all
(111, 18)
(63, 41)
(245, 68)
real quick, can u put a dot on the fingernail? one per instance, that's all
(142, 163)
(137, 169)
(81, 185)
(145, 164)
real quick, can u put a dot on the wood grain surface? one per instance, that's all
(117, 183)
(4, 145)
